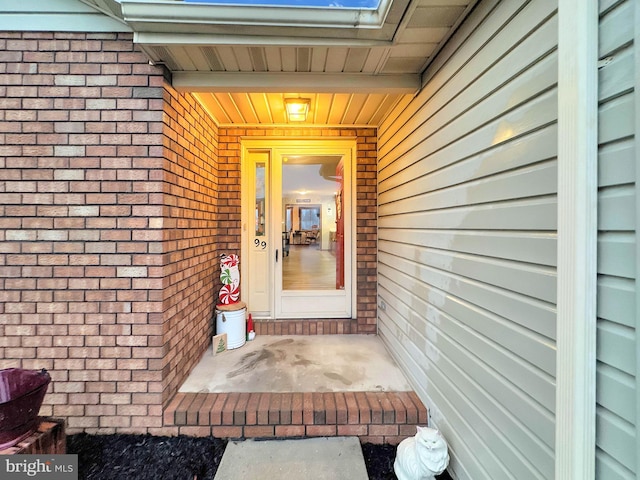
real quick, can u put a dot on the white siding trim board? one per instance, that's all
(636, 63)
(577, 248)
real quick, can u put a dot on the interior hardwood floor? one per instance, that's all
(308, 268)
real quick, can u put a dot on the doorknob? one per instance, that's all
(276, 255)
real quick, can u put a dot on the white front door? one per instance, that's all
(296, 256)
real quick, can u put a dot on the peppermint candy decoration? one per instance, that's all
(230, 260)
(229, 294)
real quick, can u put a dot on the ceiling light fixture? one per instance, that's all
(297, 108)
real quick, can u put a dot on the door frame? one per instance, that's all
(277, 146)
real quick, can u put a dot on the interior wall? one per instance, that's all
(467, 184)
(617, 446)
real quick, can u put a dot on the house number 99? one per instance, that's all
(261, 244)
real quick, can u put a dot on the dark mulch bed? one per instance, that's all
(142, 457)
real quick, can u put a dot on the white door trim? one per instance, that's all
(288, 304)
(577, 236)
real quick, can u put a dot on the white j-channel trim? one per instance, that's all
(577, 230)
(637, 143)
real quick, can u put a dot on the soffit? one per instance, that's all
(242, 61)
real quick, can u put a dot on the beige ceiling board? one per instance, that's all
(339, 106)
(404, 64)
(243, 60)
(375, 60)
(368, 109)
(227, 58)
(242, 56)
(262, 106)
(258, 59)
(278, 82)
(336, 59)
(435, 16)
(417, 50)
(231, 109)
(268, 108)
(273, 58)
(425, 34)
(386, 106)
(213, 108)
(303, 59)
(245, 106)
(319, 59)
(200, 57)
(289, 60)
(356, 59)
(321, 107)
(353, 110)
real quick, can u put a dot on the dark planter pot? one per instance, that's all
(21, 395)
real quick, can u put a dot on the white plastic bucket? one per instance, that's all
(233, 323)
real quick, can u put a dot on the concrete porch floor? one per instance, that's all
(317, 363)
(299, 387)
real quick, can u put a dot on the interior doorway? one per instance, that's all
(296, 228)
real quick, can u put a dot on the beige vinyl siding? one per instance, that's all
(467, 240)
(617, 343)
(55, 15)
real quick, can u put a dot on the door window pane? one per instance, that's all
(309, 188)
(260, 213)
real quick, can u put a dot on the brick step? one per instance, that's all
(375, 417)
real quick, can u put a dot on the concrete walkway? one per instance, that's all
(336, 458)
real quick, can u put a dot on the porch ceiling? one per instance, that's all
(242, 61)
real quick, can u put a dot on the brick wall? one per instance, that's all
(192, 229)
(81, 188)
(115, 201)
(107, 222)
(365, 217)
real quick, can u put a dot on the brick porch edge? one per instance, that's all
(375, 417)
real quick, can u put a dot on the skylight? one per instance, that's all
(347, 4)
(246, 20)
